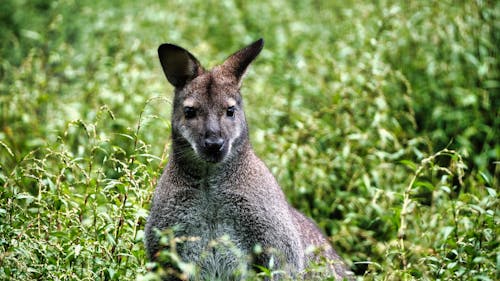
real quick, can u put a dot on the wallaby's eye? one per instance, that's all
(230, 111)
(189, 112)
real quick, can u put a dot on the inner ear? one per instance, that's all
(238, 62)
(178, 64)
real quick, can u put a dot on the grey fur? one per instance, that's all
(214, 186)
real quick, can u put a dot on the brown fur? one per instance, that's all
(215, 186)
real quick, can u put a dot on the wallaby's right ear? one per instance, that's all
(179, 65)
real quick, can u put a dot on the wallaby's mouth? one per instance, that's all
(214, 153)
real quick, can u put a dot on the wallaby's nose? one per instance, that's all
(214, 144)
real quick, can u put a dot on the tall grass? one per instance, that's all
(380, 121)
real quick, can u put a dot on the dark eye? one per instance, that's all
(230, 111)
(189, 112)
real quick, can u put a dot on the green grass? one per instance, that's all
(380, 121)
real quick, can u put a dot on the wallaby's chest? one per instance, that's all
(211, 211)
(212, 221)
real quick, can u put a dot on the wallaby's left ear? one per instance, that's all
(238, 62)
(179, 65)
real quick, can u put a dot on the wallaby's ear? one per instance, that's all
(179, 65)
(238, 62)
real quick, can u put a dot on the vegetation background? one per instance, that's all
(380, 119)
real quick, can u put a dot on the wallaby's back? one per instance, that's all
(215, 192)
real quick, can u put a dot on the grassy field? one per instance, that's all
(379, 119)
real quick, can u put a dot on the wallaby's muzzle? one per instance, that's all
(214, 145)
(214, 149)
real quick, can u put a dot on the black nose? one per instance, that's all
(214, 144)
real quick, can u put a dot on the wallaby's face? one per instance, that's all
(208, 121)
(209, 116)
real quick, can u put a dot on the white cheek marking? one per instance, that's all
(235, 134)
(231, 102)
(188, 137)
(189, 102)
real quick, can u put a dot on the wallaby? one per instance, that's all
(214, 187)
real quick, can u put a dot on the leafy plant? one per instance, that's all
(379, 120)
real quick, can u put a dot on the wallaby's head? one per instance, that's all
(208, 122)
